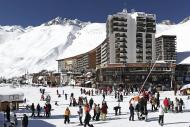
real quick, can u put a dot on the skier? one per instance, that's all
(181, 103)
(15, 120)
(161, 116)
(157, 100)
(63, 92)
(131, 108)
(49, 109)
(98, 112)
(67, 115)
(25, 121)
(80, 112)
(176, 103)
(104, 110)
(87, 119)
(81, 91)
(38, 109)
(71, 101)
(91, 101)
(121, 97)
(153, 103)
(33, 109)
(65, 96)
(137, 109)
(95, 113)
(104, 96)
(46, 108)
(57, 92)
(8, 113)
(166, 104)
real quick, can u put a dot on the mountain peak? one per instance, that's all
(12, 28)
(167, 22)
(63, 21)
(185, 20)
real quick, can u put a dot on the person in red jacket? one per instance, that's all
(104, 110)
(166, 104)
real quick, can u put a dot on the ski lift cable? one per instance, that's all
(149, 74)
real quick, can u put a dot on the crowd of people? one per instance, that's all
(137, 106)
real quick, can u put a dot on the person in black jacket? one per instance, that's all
(8, 113)
(181, 103)
(131, 108)
(91, 103)
(157, 100)
(87, 119)
(25, 121)
(33, 109)
(137, 109)
(38, 108)
(80, 112)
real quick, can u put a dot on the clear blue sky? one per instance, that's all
(36, 12)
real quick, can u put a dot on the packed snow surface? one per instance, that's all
(32, 95)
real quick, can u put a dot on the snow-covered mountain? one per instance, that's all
(35, 48)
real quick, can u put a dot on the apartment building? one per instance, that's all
(67, 64)
(166, 48)
(131, 37)
(78, 63)
(128, 53)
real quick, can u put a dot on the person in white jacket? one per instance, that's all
(161, 115)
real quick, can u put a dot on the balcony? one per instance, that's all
(122, 44)
(121, 40)
(148, 46)
(151, 30)
(148, 35)
(139, 35)
(120, 19)
(122, 50)
(148, 41)
(119, 24)
(119, 29)
(141, 24)
(149, 57)
(148, 52)
(152, 24)
(139, 51)
(122, 60)
(139, 57)
(141, 19)
(123, 55)
(123, 29)
(139, 45)
(120, 35)
(140, 29)
(150, 20)
(123, 35)
(139, 40)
